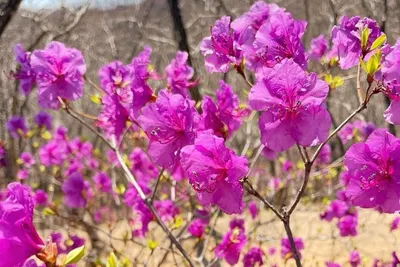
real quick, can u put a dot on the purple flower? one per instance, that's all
(225, 117)
(277, 39)
(3, 155)
(103, 182)
(271, 251)
(374, 171)
(395, 224)
(142, 93)
(251, 21)
(253, 257)
(292, 107)
(253, 209)
(354, 258)
(18, 237)
(356, 131)
(27, 159)
(346, 38)
(391, 72)
(197, 227)
(24, 73)
(23, 174)
(286, 250)
(348, 225)
(16, 126)
(219, 49)
(231, 245)
(44, 120)
(59, 73)
(170, 123)
(179, 74)
(166, 209)
(319, 46)
(214, 172)
(287, 165)
(142, 167)
(40, 197)
(336, 209)
(75, 190)
(324, 157)
(115, 78)
(52, 153)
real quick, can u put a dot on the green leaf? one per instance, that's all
(152, 244)
(364, 37)
(48, 212)
(75, 255)
(96, 99)
(112, 261)
(378, 42)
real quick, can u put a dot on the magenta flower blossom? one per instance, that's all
(179, 74)
(287, 165)
(390, 73)
(170, 123)
(374, 171)
(354, 258)
(18, 237)
(22, 174)
(52, 153)
(16, 126)
(3, 155)
(103, 182)
(27, 159)
(318, 48)
(324, 156)
(44, 120)
(75, 189)
(142, 93)
(395, 224)
(332, 264)
(197, 227)
(286, 251)
(59, 73)
(142, 167)
(224, 117)
(336, 209)
(219, 49)
(348, 225)
(24, 73)
(231, 244)
(40, 197)
(277, 39)
(346, 38)
(292, 107)
(253, 257)
(166, 209)
(253, 209)
(214, 172)
(115, 78)
(271, 251)
(356, 131)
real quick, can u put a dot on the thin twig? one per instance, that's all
(156, 186)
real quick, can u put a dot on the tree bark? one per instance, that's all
(8, 8)
(181, 38)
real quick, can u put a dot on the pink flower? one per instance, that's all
(27, 159)
(224, 117)
(332, 264)
(348, 225)
(197, 227)
(253, 257)
(336, 209)
(44, 120)
(319, 46)
(53, 153)
(142, 168)
(166, 209)
(253, 209)
(59, 73)
(286, 250)
(75, 189)
(219, 49)
(103, 182)
(115, 78)
(292, 107)
(354, 258)
(395, 224)
(16, 126)
(232, 243)
(179, 74)
(374, 172)
(23, 174)
(170, 123)
(24, 73)
(346, 38)
(18, 237)
(214, 172)
(40, 197)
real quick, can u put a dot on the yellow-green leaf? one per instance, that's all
(364, 37)
(152, 244)
(112, 261)
(48, 212)
(75, 255)
(378, 42)
(96, 99)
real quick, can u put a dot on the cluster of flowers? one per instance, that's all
(188, 144)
